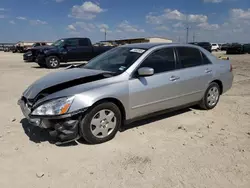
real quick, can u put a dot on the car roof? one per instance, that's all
(152, 45)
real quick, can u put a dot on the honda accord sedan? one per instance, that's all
(96, 99)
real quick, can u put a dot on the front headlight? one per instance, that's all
(55, 107)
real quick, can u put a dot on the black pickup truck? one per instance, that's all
(205, 45)
(66, 50)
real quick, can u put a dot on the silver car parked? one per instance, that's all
(94, 100)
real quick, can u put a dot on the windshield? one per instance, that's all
(57, 43)
(116, 60)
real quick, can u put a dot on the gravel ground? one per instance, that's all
(186, 149)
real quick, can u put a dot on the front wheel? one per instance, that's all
(101, 123)
(42, 65)
(52, 62)
(211, 97)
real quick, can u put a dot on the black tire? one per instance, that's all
(204, 103)
(52, 62)
(85, 125)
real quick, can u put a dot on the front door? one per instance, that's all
(156, 92)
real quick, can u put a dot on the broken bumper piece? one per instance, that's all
(62, 128)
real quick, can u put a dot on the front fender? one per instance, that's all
(61, 55)
(118, 91)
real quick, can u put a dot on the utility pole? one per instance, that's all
(187, 28)
(179, 39)
(194, 37)
(187, 34)
(105, 34)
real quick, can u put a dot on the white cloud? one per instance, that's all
(59, 1)
(2, 9)
(21, 18)
(12, 22)
(104, 28)
(71, 27)
(86, 11)
(197, 18)
(2, 16)
(125, 26)
(38, 22)
(175, 15)
(162, 28)
(178, 24)
(213, 1)
(240, 14)
(207, 26)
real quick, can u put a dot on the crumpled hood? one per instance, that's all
(60, 80)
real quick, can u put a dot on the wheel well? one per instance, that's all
(220, 84)
(116, 102)
(54, 55)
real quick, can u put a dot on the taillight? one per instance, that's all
(231, 68)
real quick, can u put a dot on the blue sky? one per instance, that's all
(208, 20)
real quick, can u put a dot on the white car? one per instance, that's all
(215, 47)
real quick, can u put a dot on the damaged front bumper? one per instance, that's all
(62, 129)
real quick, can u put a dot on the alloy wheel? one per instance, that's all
(103, 123)
(213, 96)
(53, 62)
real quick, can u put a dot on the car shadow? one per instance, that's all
(39, 135)
(153, 118)
(61, 65)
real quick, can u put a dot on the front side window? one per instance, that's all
(162, 60)
(58, 42)
(116, 60)
(72, 42)
(189, 57)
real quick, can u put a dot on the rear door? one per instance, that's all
(159, 91)
(195, 72)
(85, 50)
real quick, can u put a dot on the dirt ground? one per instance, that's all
(186, 149)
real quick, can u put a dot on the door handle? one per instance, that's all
(208, 71)
(174, 78)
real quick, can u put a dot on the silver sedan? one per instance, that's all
(94, 100)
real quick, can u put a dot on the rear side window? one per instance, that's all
(189, 57)
(206, 61)
(162, 60)
(83, 42)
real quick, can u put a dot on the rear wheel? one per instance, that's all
(52, 62)
(101, 123)
(211, 97)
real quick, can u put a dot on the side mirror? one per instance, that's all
(145, 71)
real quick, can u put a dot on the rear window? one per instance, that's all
(83, 42)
